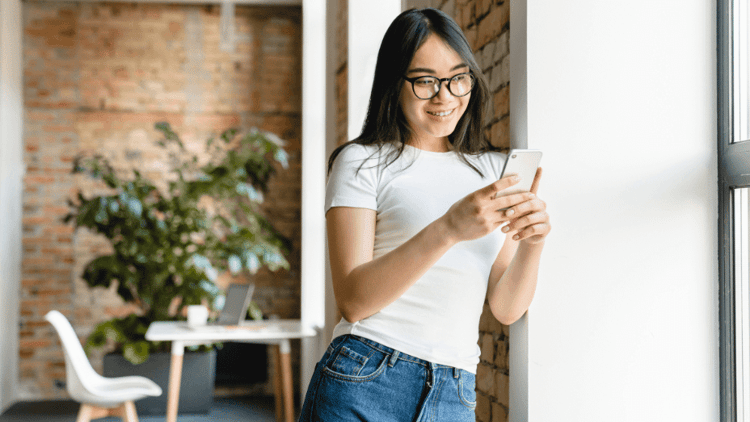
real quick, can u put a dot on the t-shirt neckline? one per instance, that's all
(446, 154)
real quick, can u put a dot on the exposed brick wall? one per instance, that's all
(97, 76)
(486, 25)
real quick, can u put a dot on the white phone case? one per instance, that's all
(523, 163)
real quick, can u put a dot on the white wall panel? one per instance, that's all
(11, 187)
(622, 100)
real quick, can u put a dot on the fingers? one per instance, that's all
(537, 178)
(495, 187)
(529, 204)
(522, 223)
(535, 231)
(528, 219)
(511, 202)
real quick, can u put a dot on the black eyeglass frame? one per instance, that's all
(440, 84)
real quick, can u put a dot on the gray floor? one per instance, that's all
(245, 409)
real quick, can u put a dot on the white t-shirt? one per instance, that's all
(437, 318)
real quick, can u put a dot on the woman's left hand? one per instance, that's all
(530, 219)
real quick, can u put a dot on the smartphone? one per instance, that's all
(523, 163)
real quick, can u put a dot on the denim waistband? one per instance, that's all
(393, 353)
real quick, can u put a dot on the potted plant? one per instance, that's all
(171, 242)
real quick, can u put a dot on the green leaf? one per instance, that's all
(254, 312)
(114, 206)
(136, 352)
(112, 330)
(281, 156)
(102, 271)
(251, 262)
(235, 264)
(97, 338)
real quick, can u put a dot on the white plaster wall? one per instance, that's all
(11, 179)
(518, 361)
(621, 99)
(313, 296)
(331, 122)
(368, 21)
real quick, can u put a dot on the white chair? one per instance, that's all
(99, 396)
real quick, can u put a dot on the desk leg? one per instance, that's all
(283, 383)
(175, 375)
(277, 390)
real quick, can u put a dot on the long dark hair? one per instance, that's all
(385, 121)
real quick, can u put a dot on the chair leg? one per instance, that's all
(89, 412)
(130, 415)
(126, 411)
(84, 413)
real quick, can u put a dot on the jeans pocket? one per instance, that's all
(355, 361)
(348, 362)
(467, 389)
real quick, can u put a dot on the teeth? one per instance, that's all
(441, 114)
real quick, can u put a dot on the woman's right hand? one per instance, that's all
(477, 215)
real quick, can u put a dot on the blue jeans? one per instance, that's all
(361, 380)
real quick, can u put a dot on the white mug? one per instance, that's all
(197, 315)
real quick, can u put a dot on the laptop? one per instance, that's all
(237, 300)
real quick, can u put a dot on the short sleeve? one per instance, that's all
(491, 164)
(353, 180)
(498, 161)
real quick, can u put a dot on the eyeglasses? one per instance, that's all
(427, 87)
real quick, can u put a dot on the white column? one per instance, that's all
(622, 100)
(11, 187)
(518, 360)
(313, 179)
(368, 21)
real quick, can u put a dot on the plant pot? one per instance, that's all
(196, 387)
(241, 364)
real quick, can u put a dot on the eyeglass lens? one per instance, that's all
(427, 87)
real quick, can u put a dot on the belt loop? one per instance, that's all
(456, 373)
(394, 358)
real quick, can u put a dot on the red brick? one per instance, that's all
(491, 26)
(29, 261)
(60, 230)
(53, 210)
(468, 14)
(33, 344)
(39, 179)
(500, 133)
(483, 408)
(501, 102)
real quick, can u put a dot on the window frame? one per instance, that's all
(734, 172)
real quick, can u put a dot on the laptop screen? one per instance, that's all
(236, 303)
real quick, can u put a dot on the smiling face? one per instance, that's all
(434, 119)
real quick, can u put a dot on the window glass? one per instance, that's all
(741, 71)
(742, 299)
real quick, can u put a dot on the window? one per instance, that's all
(733, 39)
(740, 69)
(741, 205)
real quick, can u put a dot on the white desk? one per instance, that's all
(276, 332)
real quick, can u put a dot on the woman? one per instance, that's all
(412, 213)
